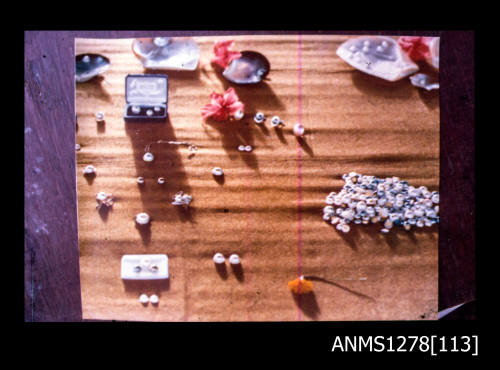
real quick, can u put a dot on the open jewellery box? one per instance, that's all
(146, 97)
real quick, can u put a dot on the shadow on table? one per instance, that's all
(168, 163)
(357, 294)
(399, 240)
(308, 304)
(146, 286)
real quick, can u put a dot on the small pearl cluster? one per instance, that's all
(104, 199)
(366, 199)
(181, 199)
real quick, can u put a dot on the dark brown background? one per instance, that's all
(52, 286)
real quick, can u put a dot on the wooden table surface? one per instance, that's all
(269, 207)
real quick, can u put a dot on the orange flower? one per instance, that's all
(300, 285)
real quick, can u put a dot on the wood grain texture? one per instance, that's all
(273, 196)
(51, 253)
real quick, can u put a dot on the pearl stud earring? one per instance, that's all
(259, 117)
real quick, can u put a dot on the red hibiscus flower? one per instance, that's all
(417, 48)
(224, 56)
(222, 106)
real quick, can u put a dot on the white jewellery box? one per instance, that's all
(144, 267)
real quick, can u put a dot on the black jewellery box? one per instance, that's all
(146, 98)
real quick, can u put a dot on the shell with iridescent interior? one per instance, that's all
(167, 53)
(87, 66)
(251, 68)
(378, 56)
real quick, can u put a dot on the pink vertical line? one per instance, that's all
(299, 174)
(247, 244)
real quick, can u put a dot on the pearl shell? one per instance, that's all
(390, 64)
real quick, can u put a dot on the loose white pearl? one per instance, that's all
(275, 121)
(388, 224)
(140, 180)
(345, 228)
(239, 114)
(329, 200)
(327, 216)
(148, 157)
(136, 109)
(149, 112)
(298, 130)
(380, 49)
(99, 116)
(101, 196)
(219, 258)
(144, 299)
(335, 220)
(234, 259)
(241, 148)
(248, 148)
(217, 171)
(154, 299)
(384, 44)
(142, 218)
(89, 170)
(435, 198)
(77, 147)
(161, 180)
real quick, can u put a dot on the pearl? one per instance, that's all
(384, 44)
(327, 216)
(99, 116)
(388, 224)
(154, 299)
(241, 148)
(157, 109)
(239, 114)
(136, 109)
(149, 112)
(219, 258)
(335, 220)
(329, 200)
(217, 171)
(234, 259)
(275, 121)
(89, 170)
(379, 49)
(140, 180)
(144, 299)
(142, 218)
(101, 196)
(161, 180)
(366, 49)
(407, 227)
(77, 147)
(420, 223)
(352, 48)
(259, 117)
(86, 59)
(346, 228)
(328, 209)
(248, 148)
(148, 157)
(298, 130)
(435, 198)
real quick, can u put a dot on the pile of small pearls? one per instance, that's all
(181, 199)
(367, 199)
